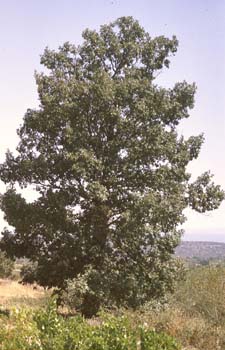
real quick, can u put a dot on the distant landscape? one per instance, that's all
(201, 251)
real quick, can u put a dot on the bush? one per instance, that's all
(78, 289)
(6, 265)
(28, 272)
(114, 290)
(46, 330)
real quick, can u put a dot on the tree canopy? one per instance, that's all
(104, 154)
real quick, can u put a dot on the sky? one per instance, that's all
(28, 26)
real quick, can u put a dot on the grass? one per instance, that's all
(14, 294)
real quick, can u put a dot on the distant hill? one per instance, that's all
(201, 251)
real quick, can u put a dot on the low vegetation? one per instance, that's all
(195, 314)
(45, 330)
(193, 317)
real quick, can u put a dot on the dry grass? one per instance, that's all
(194, 333)
(14, 294)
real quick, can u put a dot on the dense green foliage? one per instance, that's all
(46, 330)
(110, 169)
(6, 265)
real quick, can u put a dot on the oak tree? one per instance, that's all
(109, 166)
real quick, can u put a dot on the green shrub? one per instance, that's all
(19, 332)
(151, 340)
(46, 330)
(6, 265)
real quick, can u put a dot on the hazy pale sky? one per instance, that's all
(28, 26)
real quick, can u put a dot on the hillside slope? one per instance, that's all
(201, 250)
